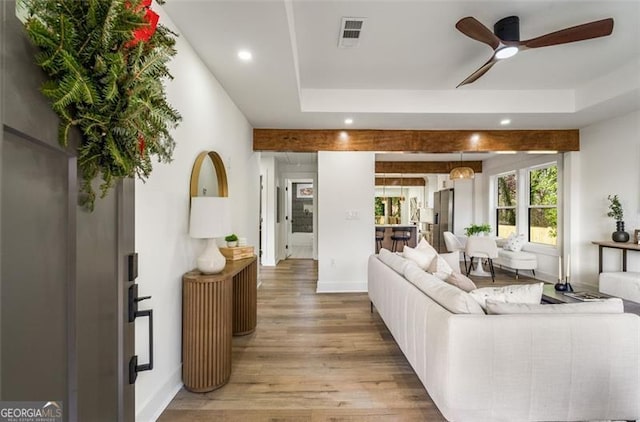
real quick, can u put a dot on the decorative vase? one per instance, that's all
(620, 235)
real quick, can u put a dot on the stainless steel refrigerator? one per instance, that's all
(442, 217)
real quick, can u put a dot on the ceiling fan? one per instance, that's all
(505, 40)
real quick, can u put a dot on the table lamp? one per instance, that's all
(210, 218)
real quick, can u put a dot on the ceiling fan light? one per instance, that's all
(506, 52)
(459, 173)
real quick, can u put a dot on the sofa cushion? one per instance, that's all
(396, 262)
(607, 306)
(449, 297)
(422, 257)
(518, 293)
(514, 242)
(520, 260)
(461, 281)
(621, 284)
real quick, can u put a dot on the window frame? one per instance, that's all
(496, 204)
(529, 206)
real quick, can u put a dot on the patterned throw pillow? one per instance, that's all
(514, 243)
(518, 293)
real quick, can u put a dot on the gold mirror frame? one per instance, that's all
(221, 173)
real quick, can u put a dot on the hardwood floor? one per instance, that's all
(314, 357)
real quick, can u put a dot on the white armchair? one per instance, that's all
(482, 248)
(453, 244)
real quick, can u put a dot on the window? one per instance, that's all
(543, 205)
(506, 204)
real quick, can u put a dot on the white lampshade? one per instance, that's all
(210, 217)
(426, 215)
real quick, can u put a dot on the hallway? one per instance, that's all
(313, 357)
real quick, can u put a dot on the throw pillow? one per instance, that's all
(461, 281)
(449, 297)
(453, 259)
(606, 306)
(514, 242)
(440, 268)
(423, 244)
(519, 293)
(422, 257)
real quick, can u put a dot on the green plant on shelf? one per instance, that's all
(231, 238)
(615, 208)
(475, 229)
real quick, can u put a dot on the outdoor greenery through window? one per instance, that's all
(388, 209)
(506, 206)
(543, 205)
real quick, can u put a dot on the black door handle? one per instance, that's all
(134, 313)
(134, 368)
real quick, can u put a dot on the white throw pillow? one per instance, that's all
(440, 268)
(423, 244)
(422, 257)
(514, 242)
(606, 306)
(453, 259)
(517, 293)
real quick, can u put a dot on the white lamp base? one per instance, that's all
(211, 261)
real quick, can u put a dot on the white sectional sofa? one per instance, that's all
(521, 367)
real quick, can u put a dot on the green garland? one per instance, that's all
(107, 86)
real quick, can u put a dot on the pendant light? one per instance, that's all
(461, 172)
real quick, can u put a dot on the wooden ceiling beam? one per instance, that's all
(425, 141)
(400, 181)
(425, 167)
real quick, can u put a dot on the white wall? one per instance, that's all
(345, 219)
(211, 121)
(463, 197)
(608, 163)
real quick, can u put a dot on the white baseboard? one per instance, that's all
(154, 407)
(341, 287)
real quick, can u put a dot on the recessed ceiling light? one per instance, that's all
(475, 137)
(348, 121)
(245, 55)
(505, 122)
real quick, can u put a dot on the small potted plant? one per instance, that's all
(617, 213)
(232, 240)
(477, 230)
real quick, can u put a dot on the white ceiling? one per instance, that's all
(411, 57)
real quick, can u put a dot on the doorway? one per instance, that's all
(300, 219)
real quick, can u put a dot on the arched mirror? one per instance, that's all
(208, 176)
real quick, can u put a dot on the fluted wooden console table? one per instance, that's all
(215, 307)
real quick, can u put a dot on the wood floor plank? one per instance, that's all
(315, 358)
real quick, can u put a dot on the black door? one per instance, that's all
(64, 331)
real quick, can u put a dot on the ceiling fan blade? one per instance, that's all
(472, 28)
(478, 73)
(586, 31)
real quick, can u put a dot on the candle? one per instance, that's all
(568, 266)
(559, 268)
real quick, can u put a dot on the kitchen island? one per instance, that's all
(387, 242)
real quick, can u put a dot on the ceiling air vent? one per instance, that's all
(350, 32)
